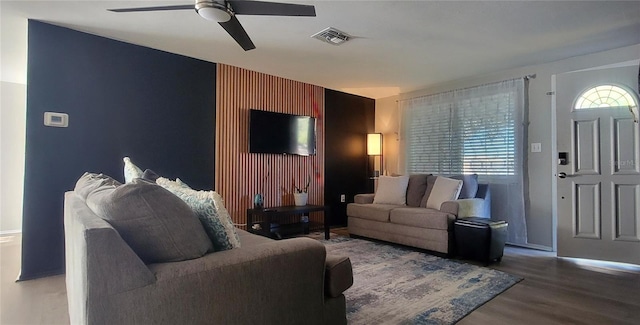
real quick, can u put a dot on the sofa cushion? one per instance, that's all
(209, 207)
(90, 182)
(422, 218)
(392, 190)
(131, 171)
(469, 185)
(338, 275)
(431, 180)
(156, 224)
(444, 189)
(375, 212)
(416, 189)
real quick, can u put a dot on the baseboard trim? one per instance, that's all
(532, 246)
(10, 232)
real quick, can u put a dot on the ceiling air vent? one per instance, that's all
(331, 36)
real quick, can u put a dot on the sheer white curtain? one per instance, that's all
(474, 130)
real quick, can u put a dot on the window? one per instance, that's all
(476, 130)
(605, 96)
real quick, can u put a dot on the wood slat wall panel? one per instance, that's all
(239, 175)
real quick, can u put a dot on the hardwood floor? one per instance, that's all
(561, 291)
(554, 291)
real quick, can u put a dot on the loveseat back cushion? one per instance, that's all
(156, 224)
(416, 189)
(469, 185)
(431, 180)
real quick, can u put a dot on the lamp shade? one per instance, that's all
(374, 144)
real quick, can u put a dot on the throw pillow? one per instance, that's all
(469, 185)
(157, 225)
(131, 171)
(90, 182)
(392, 190)
(209, 208)
(416, 188)
(444, 189)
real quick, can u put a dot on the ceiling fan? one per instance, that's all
(224, 12)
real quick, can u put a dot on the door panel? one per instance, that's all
(599, 200)
(586, 145)
(586, 216)
(626, 204)
(626, 148)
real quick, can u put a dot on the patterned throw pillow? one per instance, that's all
(131, 171)
(209, 207)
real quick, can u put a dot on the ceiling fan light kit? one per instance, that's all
(214, 11)
(224, 13)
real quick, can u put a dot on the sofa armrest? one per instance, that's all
(450, 207)
(471, 208)
(338, 275)
(98, 261)
(97, 254)
(364, 198)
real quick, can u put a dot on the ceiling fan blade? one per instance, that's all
(178, 7)
(246, 7)
(238, 33)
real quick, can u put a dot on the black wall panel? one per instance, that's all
(122, 100)
(348, 119)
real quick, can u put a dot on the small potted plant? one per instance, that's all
(300, 194)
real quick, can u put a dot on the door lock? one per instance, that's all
(562, 158)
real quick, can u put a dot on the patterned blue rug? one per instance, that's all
(396, 285)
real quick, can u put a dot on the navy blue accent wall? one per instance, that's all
(348, 119)
(122, 100)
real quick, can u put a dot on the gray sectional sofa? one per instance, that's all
(413, 224)
(261, 282)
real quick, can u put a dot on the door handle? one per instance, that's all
(564, 175)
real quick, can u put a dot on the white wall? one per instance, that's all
(13, 89)
(540, 220)
(12, 150)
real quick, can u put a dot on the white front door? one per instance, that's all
(599, 198)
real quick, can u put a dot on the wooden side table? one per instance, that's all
(260, 221)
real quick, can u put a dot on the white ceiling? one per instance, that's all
(399, 46)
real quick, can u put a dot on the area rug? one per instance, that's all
(397, 285)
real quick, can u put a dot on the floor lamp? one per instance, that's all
(374, 148)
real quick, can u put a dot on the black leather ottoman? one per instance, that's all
(480, 239)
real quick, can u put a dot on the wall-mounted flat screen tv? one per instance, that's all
(279, 133)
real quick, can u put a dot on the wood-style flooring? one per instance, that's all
(554, 291)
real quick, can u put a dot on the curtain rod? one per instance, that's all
(527, 77)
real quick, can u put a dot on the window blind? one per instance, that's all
(468, 131)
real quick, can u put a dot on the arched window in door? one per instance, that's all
(605, 96)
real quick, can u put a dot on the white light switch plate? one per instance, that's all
(536, 147)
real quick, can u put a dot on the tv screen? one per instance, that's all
(279, 133)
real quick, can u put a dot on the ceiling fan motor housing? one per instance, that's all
(214, 10)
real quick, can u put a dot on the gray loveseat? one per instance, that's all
(262, 282)
(413, 224)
